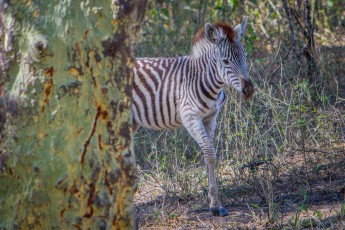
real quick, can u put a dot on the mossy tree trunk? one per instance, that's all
(66, 156)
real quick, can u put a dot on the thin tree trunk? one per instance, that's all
(66, 156)
(293, 39)
(309, 49)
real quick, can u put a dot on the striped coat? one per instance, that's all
(188, 90)
(166, 87)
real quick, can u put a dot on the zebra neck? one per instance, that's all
(207, 79)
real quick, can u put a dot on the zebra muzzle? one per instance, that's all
(247, 89)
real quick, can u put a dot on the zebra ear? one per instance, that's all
(211, 33)
(241, 28)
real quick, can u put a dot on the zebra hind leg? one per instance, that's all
(197, 130)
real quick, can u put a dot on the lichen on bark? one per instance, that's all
(66, 158)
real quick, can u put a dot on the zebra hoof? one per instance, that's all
(221, 211)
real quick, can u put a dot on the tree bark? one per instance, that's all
(66, 154)
(310, 47)
(293, 39)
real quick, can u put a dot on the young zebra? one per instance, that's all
(188, 90)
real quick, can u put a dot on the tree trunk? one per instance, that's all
(66, 156)
(293, 39)
(310, 46)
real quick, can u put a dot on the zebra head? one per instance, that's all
(230, 55)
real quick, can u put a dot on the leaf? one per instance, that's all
(233, 3)
(330, 3)
(164, 13)
(255, 206)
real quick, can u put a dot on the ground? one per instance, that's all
(300, 197)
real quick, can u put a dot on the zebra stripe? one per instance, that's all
(161, 85)
(188, 90)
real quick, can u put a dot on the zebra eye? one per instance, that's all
(226, 62)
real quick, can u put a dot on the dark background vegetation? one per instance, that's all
(282, 154)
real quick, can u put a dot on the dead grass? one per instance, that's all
(281, 156)
(305, 195)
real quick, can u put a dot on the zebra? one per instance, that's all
(188, 90)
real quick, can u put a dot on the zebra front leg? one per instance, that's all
(196, 128)
(210, 127)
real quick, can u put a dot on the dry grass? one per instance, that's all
(300, 199)
(281, 164)
(281, 156)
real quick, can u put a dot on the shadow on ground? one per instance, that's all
(299, 200)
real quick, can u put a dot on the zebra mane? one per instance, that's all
(201, 44)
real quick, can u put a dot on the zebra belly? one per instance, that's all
(174, 123)
(151, 111)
